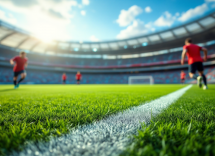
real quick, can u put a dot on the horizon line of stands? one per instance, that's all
(47, 77)
(164, 59)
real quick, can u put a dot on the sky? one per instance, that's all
(100, 20)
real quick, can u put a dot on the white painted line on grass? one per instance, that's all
(108, 137)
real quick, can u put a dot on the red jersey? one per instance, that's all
(78, 76)
(64, 77)
(193, 53)
(183, 75)
(20, 63)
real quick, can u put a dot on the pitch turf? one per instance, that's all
(36, 112)
(185, 128)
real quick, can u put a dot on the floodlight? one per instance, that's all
(145, 44)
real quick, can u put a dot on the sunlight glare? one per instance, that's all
(47, 28)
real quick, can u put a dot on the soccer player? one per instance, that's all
(183, 76)
(78, 77)
(64, 77)
(195, 61)
(19, 62)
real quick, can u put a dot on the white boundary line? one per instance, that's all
(106, 137)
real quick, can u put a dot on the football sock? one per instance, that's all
(204, 79)
(14, 82)
(21, 80)
(194, 76)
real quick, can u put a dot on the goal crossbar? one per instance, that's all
(131, 78)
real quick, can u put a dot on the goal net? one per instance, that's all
(132, 80)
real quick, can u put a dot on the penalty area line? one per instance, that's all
(107, 137)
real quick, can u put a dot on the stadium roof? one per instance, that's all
(201, 30)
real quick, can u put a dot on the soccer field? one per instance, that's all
(37, 112)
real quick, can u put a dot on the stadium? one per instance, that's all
(157, 55)
(119, 113)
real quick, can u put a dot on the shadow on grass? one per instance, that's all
(6, 90)
(211, 89)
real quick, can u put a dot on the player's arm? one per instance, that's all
(205, 53)
(26, 63)
(183, 56)
(11, 62)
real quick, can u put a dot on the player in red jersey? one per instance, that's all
(183, 76)
(78, 77)
(195, 61)
(64, 77)
(19, 62)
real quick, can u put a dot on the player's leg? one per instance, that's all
(15, 76)
(181, 81)
(15, 80)
(192, 70)
(23, 75)
(201, 73)
(198, 78)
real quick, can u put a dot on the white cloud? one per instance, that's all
(83, 13)
(166, 19)
(128, 16)
(148, 9)
(46, 19)
(85, 2)
(94, 39)
(150, 26)
(137, 28)
(210, 3)
(54, 8)
(199, 10)
(7, 17)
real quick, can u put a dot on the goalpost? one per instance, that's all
(140, 80)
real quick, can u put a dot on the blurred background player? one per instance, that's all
(78, 77)
(195, 61)
(19, 68)
(183, 76)
(64, 77)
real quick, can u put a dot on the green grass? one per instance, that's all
(34, 113)
(186, 128)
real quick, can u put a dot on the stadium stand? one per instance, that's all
(112, 62)
(169, 58)
(45, 77)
